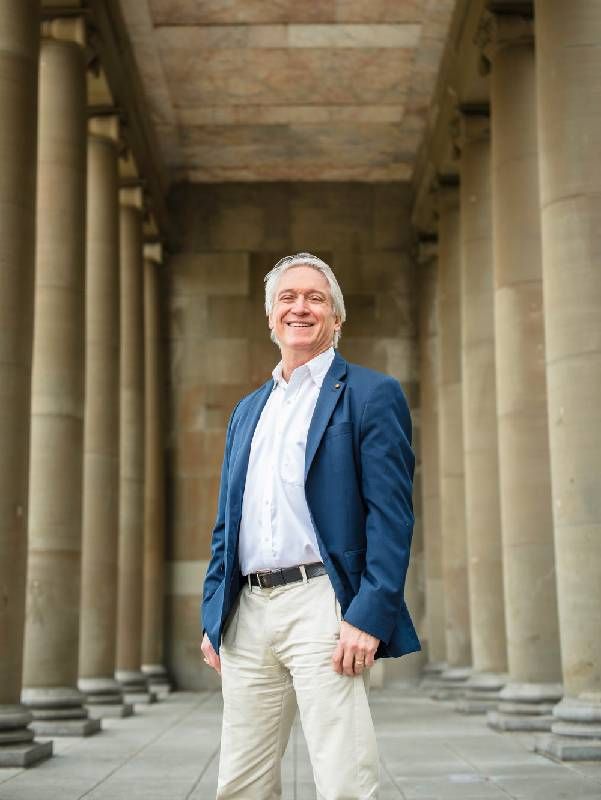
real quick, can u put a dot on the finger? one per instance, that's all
(359, 663)
(370, 658)
(337, 658)
(214, 661)
(348, 662)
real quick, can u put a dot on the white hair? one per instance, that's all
(304, 260)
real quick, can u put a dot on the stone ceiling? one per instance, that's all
(264, 90)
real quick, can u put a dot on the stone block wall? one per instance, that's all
(218, 345)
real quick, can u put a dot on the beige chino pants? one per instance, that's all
(278, 645)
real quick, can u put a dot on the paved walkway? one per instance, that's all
(170, 751)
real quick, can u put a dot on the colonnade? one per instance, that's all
(81, 507)
(517, 302)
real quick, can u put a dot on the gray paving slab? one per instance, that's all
(170, 751)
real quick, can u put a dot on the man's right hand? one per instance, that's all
(210, 656)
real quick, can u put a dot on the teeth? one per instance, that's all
(299, 324)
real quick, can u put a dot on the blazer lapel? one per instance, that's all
(329, 394)
(246, 431)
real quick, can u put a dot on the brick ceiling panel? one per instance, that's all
(247, 90)
(216, 12)
(286, 77)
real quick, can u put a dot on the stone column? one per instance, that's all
(19, 45)
(54, 565)
(131, 451)
(101, 427)
(483, 514)
(428, 357)
(528, 554)
(154, 480)
(450, 423)
(568, 65)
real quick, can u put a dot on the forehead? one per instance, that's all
(303, 278)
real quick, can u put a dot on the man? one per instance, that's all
(310, 550)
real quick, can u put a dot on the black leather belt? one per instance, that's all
(280, 577)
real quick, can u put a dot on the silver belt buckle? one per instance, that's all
(259, 576)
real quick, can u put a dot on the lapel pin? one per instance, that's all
(336, 386)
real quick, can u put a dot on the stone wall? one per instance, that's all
(219, 348)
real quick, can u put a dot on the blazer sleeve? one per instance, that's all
(216, 568)
(387, 465)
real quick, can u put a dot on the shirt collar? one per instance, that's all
(317, 368)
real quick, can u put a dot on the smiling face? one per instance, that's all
(302, 317)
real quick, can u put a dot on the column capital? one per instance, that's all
(132, 196)
(65, 29)
(153, 252)
(497, 31)
(447, 193)
(105, 126)
(427, 250)
(469, 125)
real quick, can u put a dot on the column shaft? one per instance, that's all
(101, 422)
(568, 65)
(428, 354)
(53, 593)
(528, 555)
(483, 515)
(131, 446)
(19, 45)
(452, 487)
(154, 480)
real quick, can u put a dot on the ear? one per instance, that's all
(270, 321)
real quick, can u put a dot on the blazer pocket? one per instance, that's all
(340, 429)
(355, 559)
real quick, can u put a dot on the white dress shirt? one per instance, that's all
(276, 529)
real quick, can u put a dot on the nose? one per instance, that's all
(298, 307)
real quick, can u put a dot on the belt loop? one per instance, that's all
(303, 572)
(250, 586)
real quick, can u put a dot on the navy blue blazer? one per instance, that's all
(358, 483)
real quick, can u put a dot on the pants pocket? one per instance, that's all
(228, 636)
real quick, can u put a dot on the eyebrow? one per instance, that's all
(301, 291)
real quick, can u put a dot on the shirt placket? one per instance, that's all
(268, 543)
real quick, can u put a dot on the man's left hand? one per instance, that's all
(355, 651)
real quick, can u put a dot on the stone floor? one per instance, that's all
(170, 751)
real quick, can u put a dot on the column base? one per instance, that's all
(17, 745)
(24, 754)
(104, 698)
(525, 707)
(66, 727)
(435, 667)
(451, 683)
(575, 731)
(482, 690)
(134, 685)
(110, 710)
(59, 711)
(158, 679)
(431, 676)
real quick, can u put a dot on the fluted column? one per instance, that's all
(54, 563)
(527, 530)
(19, 46)
(131, 450)
(429, 380)
(101, 427)
(568, 66)
(154, 480)
(450, 423)
(483, 514)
